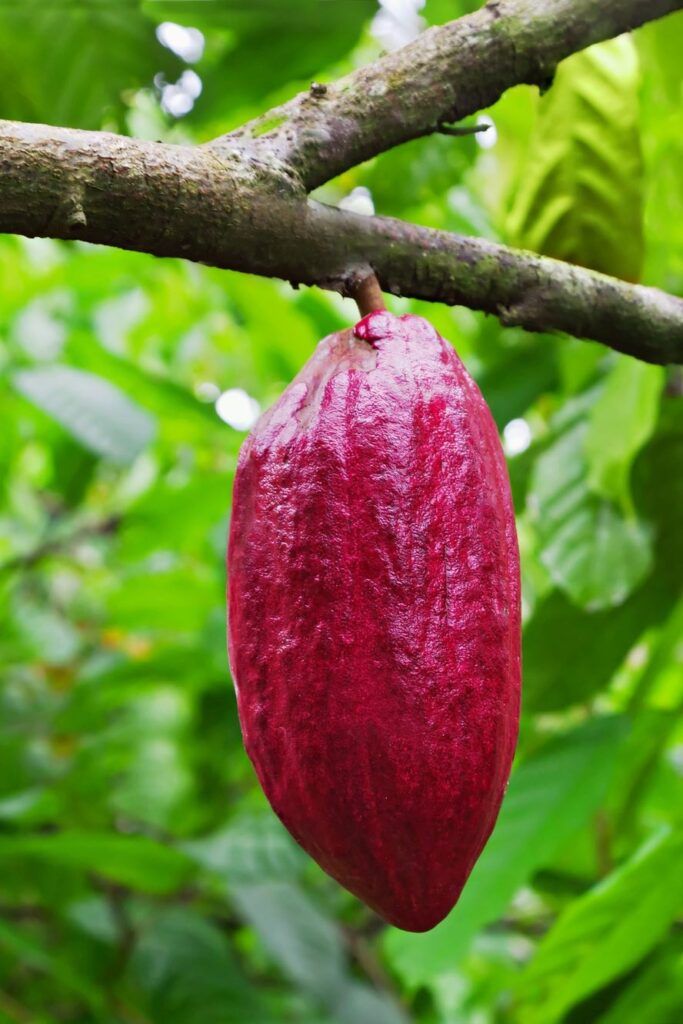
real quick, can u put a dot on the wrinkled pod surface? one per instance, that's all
(374, 615)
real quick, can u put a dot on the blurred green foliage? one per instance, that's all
(142, 876)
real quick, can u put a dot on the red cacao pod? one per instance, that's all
(374, 629)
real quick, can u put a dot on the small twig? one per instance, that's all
(364, 955)
(674, 384)
(54, 545)
(21, 913)
(603, 843)
(13, 1010)
(532, 929)
(367, 295)
(462, 129)
(130, 1014)
(116, 896)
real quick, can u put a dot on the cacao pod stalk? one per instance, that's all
(374, 615)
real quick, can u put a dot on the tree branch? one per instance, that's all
(199, 204)
(240, 201)
(448, 73)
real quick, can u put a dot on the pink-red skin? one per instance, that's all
(374, 615)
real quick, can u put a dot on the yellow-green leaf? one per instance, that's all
(606, 932)
(581, 194)
(620, 423)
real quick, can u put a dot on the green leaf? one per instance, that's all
(656, 994)
(284, 338)
(309, 948)
(263, 46)
(180, 416)
(550, 798)
(657, 485)
(606, 932)
(581, 190)
(34, 955)
(362, 1003)
(174, 600)
(186, 968)
(660, 44)
(306, 944)
(518, 377)
(254, 847)
(96, 917)
(135, 861)
(29, 806)
(591, 551)
(405, 181)
(665, 652)
(46, 633)
(154, 778)
(94, 49)
(620, 422)
(437, 12)
(570, 654)
(179, 517)
(94, 411)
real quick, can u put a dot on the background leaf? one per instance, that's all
(136, 861)
(655, 994)
(593, 552)
(581, 193)
(94, 411)
(606, 932)
(310, 950)
(30, 953)
(253, 847)
(95, 50)
(263, 46)
(187, 971)
(620, 423)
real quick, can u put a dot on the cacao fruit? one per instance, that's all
(374, 622)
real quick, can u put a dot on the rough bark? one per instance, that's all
(198, 204)
(449, 72)
(241, 202)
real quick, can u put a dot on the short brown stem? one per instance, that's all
(368, 295)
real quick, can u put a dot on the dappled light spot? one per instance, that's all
(238, 409)
(186, 43)
(516, 437)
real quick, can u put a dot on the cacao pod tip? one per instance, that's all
(382, 324)
(374, 326)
